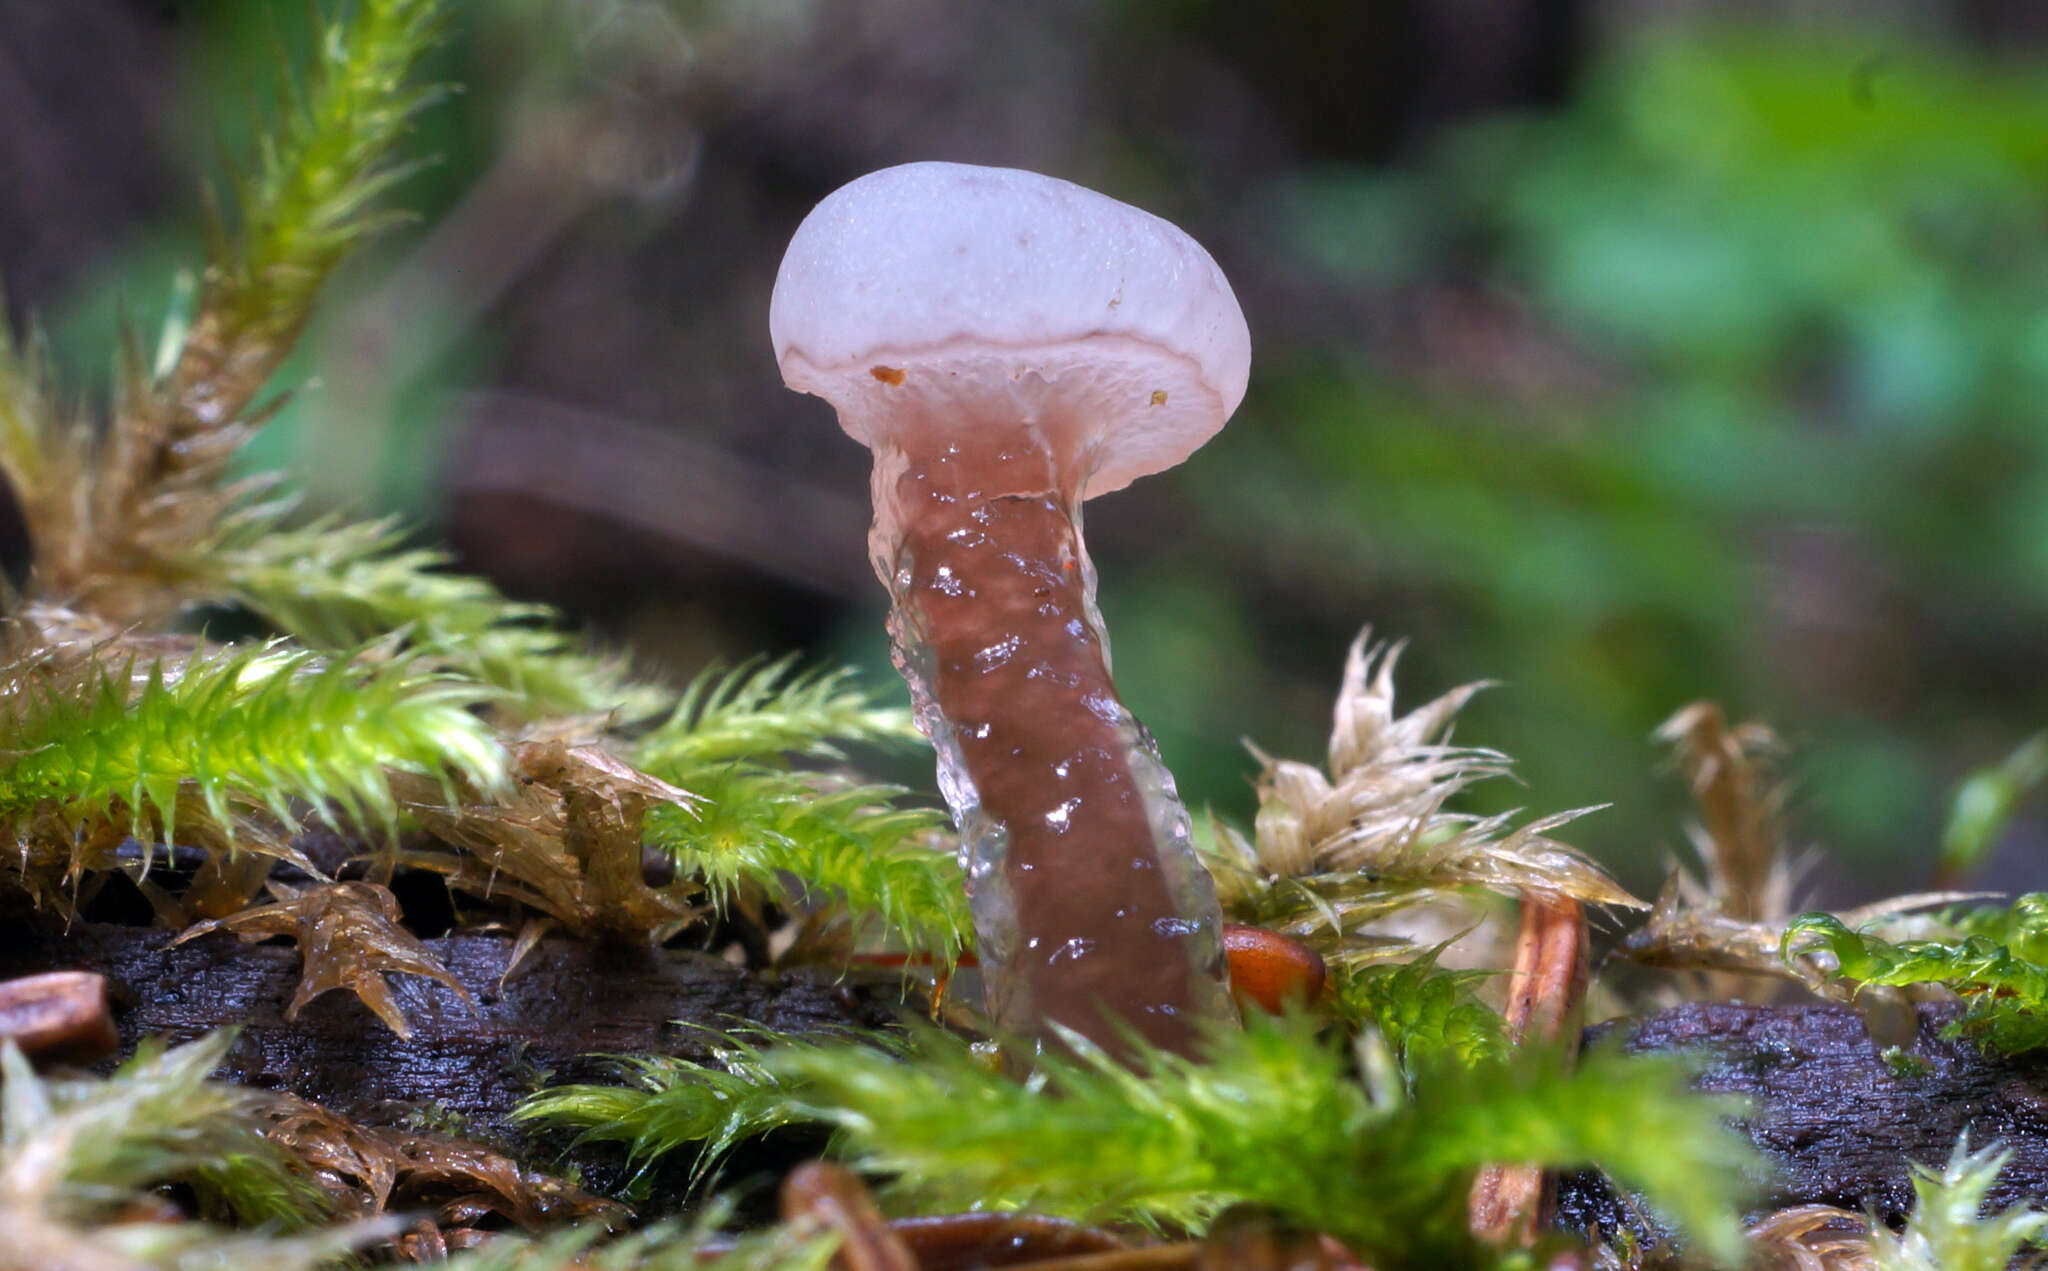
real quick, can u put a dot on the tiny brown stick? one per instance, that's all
(1174, 1257)
(1546, 992)
(832, 1198)
(966, 1242)
(1246, 1238)
(60, 1013)
(955, 1242)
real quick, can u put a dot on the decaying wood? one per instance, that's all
(568, 1001)
(59, 1013)
(1837, 1122)
(1833, 1116)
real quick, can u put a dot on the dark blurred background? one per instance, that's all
(1624, 351)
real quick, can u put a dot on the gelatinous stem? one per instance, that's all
(1090, 907)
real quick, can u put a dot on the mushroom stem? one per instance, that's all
(1091, 909)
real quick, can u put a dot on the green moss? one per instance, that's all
(1997, 963)
(1271, 1116)
(262, 727)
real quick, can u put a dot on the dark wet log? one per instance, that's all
(1834, 1118)
(568, 1001)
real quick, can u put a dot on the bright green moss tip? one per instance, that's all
(263, 727)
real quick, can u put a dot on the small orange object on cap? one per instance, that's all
(1268, 970)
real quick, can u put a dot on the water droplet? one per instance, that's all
(1103, 707)
(997, 654)
(1072, 951)
(1057, 818)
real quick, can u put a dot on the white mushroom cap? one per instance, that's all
(959, 294)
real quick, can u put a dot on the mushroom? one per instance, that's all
(1008, 344)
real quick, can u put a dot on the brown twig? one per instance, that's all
(955, 1242)
(828, 1197)
(1509, 1203)
(1173, 1257)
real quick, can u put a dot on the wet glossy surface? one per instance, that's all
(1271, 971)
(1089, 902)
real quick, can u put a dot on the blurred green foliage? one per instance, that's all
(1808, 284)
(1985, 802)
(1753, 409)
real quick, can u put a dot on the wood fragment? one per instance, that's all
(957, 1242)
(822, 1196)
(60, 1014)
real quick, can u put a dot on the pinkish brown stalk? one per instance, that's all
(995, 621)
(1008, 345)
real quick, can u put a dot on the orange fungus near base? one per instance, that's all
(1271, 971)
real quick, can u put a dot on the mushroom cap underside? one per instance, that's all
(1110, 410)
(1031, 290)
